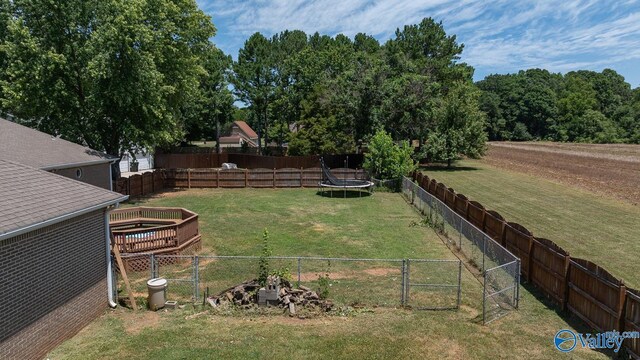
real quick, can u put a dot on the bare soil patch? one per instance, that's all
(607, 170)
(311, 276)
(337, 275)
(135, 323)
(382, 271)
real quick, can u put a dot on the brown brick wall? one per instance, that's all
(53, 283)
(97, 175)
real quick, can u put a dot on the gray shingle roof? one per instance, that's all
(30, 196)
(40, 150)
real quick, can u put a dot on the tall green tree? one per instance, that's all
(254, 81)
(213, 107)
(423, 62)
(286, 106)
(114, 74)
(459, 128)
(386, 159)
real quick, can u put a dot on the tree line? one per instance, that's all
(580, 106)
(322, 94)
(124, 75)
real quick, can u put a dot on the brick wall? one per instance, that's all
(53, 283)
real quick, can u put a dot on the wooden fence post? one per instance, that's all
(142, 185)
(153, 181)
(274, 178)
(301, 177)
(189, 178)
(218, 178)
(129, 186)
(530, 260)
(246, 177)
(622, 306)
(567, 264)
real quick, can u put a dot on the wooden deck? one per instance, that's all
(143, 229)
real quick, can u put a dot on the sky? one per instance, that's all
(499, 36)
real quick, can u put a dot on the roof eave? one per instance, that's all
(78, 164)
(61, 218)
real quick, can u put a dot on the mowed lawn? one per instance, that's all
(605, 231)
(303, 223)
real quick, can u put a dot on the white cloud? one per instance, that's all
(499, 36)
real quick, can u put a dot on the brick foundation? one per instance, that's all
(53, 283)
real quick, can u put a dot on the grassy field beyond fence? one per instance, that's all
(604, 231)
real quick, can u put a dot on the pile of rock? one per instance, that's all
(290, 298)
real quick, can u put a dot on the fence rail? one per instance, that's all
(194, 158)
(160, 179)
(140, 184)
(584, 288)
(417, 283)
(173, 228)
(257, 178)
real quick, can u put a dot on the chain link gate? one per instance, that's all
(181, 273)
(432, 284)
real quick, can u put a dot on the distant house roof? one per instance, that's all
(32, 198)
(233, 139)
(246, 129)
(40, 150)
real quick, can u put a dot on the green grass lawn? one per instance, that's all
(302, 223)
(605, 231)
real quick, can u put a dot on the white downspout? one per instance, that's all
(107, 233)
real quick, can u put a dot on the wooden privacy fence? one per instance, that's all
(158, 180)
(580, 286)
(549, 268)
(632, 320)
(140, 185)
(256, 178)
(595, 295)
(205, 158)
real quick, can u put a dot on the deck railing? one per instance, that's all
(131, 234)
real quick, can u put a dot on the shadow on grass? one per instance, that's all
(139, 199)
(572, 320)
(342, 194)
(444, 168)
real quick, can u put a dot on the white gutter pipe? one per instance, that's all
(107, 233)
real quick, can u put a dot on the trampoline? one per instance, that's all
(331, 182)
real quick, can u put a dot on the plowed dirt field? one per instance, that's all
(608, 170)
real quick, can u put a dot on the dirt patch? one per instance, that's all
(382, 271)
(607, 170)
(133, 324)
(320, 227)
(473, 312)
(311, 276)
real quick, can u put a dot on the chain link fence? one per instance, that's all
(500, 269)
(416, 283)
